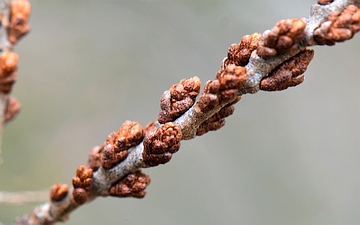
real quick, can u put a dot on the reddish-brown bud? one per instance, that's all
(58, 192)
(231, 55)
(133, 185)
(289, 73)
(239, 54)
(82, 184)
(19, 16)
(84, 173)
(339, 27)
(283, 38)
(9, 61)
(324, 2)
(224, 88)
(117, 144)
(161, 144)
(178, 99)
(94, 158)
(12, 109)
(129, 135)
(8, 74)
(217, 120)
(80, 196)
(110, 155)
(209, 99)
(150, 127)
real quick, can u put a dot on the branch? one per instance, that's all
(14, 25)
(23, 197)
(272, 61)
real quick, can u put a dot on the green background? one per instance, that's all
(291, 157)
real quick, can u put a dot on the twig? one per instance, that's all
(23, 197)
(14, 25)
(272, 61)
(14, 18)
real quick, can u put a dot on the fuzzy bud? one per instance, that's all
(12, 109)
(58, 192)
(283, 38)
(161, 144)
(224, 88)
(239, 54)
(150, 127)
(117, 144)
(324, 2)
(80, 196)
(217, 120)
(82, 184)
(94, 158)
(8, 74)
(339, 27)
(19, 16)
(289, 73)
(178, 99)
(133, 185)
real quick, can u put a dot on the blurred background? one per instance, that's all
(291, 157)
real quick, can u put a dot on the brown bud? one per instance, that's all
(266, 52)
(12, 109)
(133, 185)
(283, 38)
(217, 120)
(324, 2)
(111, 157)
(178, 99)
(76, 181)
(19, 16)
(83, 173)
(94, 158)
(209, 99)
(150, 127)
(339, 27)
(161, 144)
(8, 74)
(231, 55)
(129, 135)
(82, 184)
(239, 54)
(233, 77)
(224, 88)
(58, 192)
(117, 144)
(9, 61)
(289, 73)
(80, 196)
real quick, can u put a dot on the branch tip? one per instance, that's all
(272, 61)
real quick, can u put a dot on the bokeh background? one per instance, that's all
(291, 157)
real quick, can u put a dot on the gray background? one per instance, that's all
(290, 157)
